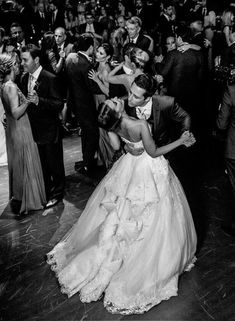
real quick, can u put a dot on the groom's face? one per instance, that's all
(136, 96)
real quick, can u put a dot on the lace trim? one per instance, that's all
(141, 303)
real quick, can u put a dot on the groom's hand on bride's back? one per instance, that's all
(130, 148)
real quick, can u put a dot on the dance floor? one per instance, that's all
(29, 290)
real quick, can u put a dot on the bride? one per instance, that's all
(136, 234)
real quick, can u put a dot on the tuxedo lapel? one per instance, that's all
(156, 114)
(40, 83)
(24, 84)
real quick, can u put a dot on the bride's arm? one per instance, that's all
(12, 97)
(114, 140)
(186, 139)
(115, 70)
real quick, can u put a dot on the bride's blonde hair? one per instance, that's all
(6, 63)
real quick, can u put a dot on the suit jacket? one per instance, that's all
(226, 120)
(58, 22)
(41, 25)
(165, 113)
(97, 27)
(81, 89)
(142, 42)
(183, 75)
(228, 56)
(44, 118)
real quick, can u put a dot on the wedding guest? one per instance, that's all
(41, 89)
(25, 174)
(226, 122)
(81, 92)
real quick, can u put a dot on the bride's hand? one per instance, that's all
(22, 97)
(187, 139)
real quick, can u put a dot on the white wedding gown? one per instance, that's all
(3, 150)
(132, 241)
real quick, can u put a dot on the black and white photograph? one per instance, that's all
(117, 160)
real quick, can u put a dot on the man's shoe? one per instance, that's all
(84, 171)
(52, 202)
(228, 230)
(78, 165)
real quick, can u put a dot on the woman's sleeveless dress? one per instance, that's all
(3, 150)
(25, 173)
(134, 238)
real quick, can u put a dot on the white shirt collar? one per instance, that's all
(84, 54)
(36, 73)
(133, 40)
(145, 111)
(127, 70)
(166, 16)
(61, 47)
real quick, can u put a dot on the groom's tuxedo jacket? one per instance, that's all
(44, 117)
(166, 116)
(226, 120)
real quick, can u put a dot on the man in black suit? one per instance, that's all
(167, 22)
(226, 122)
(40, 88)
(25, 19)
(56, 16)
(183, 74)
(41, 20)
(81, 92)
(91, 26)
(136, 36)
(161, 112)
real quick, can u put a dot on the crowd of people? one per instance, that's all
(136, 80)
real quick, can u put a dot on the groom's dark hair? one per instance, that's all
(148, 83)
(83, 42)
(33, 50)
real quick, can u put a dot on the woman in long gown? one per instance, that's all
(3, 150)
(136, 234)
(25, 174)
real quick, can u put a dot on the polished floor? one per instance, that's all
(29, 290)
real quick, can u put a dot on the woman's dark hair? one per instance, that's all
(48, 42)
(108, 118)
(84, 41)
(107, 48)
(148, 83)
(70, 10)
(33, 50)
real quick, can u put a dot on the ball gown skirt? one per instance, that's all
(133, 240)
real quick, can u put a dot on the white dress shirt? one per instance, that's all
(146, 111)
(33, 78)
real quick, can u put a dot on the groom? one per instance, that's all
(40, 88)
(163, 113)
